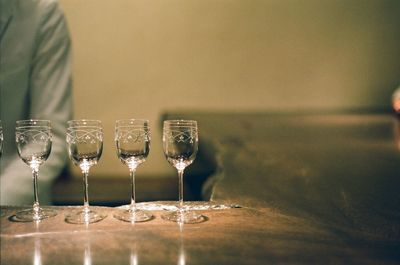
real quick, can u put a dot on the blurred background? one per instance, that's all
(141, 58)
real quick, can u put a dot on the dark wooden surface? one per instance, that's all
(234, 236)
(340, 172)
(319, 189)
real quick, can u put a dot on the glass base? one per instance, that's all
(84, 217)
(133, 215)
(186, 217)
(30, 215)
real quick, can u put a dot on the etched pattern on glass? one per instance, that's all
(34, 144)
(33, 136)
(85, 145)
(91, 136)
(175, 136)
(132, 135)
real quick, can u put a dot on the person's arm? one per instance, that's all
(51, 99)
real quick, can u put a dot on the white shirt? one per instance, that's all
(35, 83)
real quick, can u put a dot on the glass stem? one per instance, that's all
(86, 192)
(133, 191)
(180, 175)
(35, 172)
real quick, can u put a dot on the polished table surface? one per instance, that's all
(229, 236)
(302, 189)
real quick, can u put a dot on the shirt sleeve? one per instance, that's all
(51, 99)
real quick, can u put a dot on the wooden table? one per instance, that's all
(317, 189)
(234, 236)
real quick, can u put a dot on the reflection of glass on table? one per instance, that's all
(87, 256)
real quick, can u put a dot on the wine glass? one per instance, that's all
(33, 138)
(85, 145)
(180, 143)
(132, 139)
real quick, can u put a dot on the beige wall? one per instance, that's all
(139, 58)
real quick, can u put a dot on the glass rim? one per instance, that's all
(180, 122)
(144, 121)
(76, 123)
(32, 123)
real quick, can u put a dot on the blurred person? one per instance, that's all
(35, 83)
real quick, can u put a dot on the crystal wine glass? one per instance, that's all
(132, 139)
(180, 143)
(85, 145)
(33, 138)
